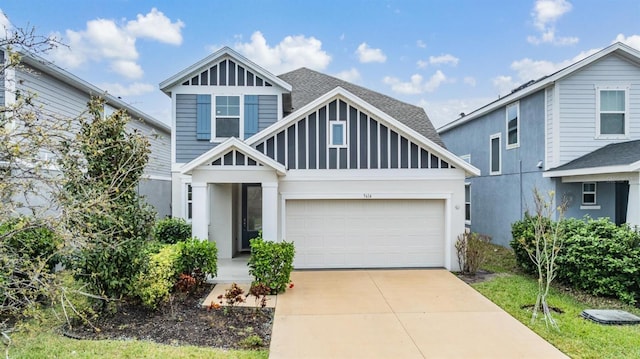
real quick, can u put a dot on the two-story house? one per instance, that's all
(575, 132)
(353, 177)
(62, 94)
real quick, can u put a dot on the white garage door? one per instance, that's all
(366, 233)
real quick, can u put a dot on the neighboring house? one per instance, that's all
(575, 132)
(62, 94)
(354, 178)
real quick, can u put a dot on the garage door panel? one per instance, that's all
(366, 233)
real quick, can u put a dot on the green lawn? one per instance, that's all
(49, 345)
(578, 338)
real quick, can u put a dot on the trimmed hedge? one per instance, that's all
(271, 263)
(597, 256)
(171, 230)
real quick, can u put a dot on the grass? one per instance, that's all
(43, 344)
(578, 338)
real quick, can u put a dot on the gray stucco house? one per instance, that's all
(575, 132)
(60, 93)
(354, 178)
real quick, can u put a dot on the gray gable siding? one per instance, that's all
(267, 111)
(496, 201)
(577, 108)
(370, 143)
(187, 146)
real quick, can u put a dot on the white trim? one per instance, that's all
(156, 178)
(625, 113)
(372, 111)
(344, 135)
(590, 207)
(198, 67)
(214, 117)
(618, 47)
(506, 110)
(633, 167)
(491, 138)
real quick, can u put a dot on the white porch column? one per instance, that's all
(270, 211)
(199, 218)
(633, 205)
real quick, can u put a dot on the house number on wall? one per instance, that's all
(367, 195)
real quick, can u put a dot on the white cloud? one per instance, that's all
(422, 64)
(444, 59)
(133, 89)
(442, 112)
(126, 68)
(105, 40)
(416, 85)
(155, 25)
(504, 84)
(421, 44)
(469, 80)
(291, 53)
(545, 15)
(351, 75)
(631, 40)
(367, 54)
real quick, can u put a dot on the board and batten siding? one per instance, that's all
(370, 144)
(578, 105)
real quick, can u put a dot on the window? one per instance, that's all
(612, 113)
(467, 203)
(189, 202)
(227, 116)
(513, 125)
(589, 193)
(337, 135)
(495, 167)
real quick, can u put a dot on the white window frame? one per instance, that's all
(214, 117)
(517, 143)
(608, 136)
(491, 138)
(594, 193)
(188, 201)
(344, 134)
(467, 202)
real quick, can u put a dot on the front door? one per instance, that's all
(251, 212)
(622, 200)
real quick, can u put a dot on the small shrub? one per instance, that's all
(260, 291)
(186, 283)
(271, 263)
(154, 285)
(31, 241)
(251, 342)
(470, 249)
(523, 233)
(171, 230)
(198, 259)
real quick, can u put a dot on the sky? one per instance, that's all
(448, 56)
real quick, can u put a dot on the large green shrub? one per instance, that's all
(198, 258)
(271, 263)
(603, 259)
(597, 256)
(171, 230)
(154, 285)
(31, 241)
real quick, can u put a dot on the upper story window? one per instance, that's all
(337, 134)
(612, 114)
(513, 125)
(495, 160)
(227, 121)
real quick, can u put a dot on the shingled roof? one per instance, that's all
(615, 154)
(308, 85)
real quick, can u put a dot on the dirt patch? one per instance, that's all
(184, 322)
(529, 307)
(480, 276)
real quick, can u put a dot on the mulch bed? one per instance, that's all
(184, 322)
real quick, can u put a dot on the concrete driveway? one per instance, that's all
(395, 314)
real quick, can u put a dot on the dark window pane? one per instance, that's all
(495, 154)
(227, 127)
(612, 123)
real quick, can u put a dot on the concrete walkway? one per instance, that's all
(396, 314)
